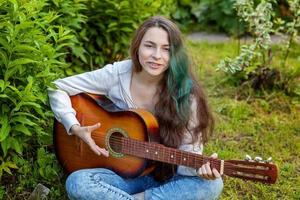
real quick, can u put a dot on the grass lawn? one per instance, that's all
(260, 124)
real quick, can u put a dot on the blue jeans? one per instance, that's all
(104, 184)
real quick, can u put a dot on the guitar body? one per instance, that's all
(73, 154)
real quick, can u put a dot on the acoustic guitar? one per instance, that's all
(131, 137)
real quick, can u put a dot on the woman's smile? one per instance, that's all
(154, 65)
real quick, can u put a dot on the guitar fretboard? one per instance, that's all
(157, 152)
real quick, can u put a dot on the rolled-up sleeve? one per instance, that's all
(96, 82)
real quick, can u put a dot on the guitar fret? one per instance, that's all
(183, 158)
(158, 155)
(178, 155)
(130, 146)
(151, 155)
(162, 153)
(168, 155)
(173, 156)
(197, 161)
(194, 161)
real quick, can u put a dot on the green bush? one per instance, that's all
(213, 15)
(30, 58)
(254, 65)
(220, 15)
(72, 16)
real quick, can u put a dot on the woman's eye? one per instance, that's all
(148, 45)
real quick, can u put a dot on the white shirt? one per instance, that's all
(113, 81)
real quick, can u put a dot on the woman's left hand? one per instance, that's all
(206, 172)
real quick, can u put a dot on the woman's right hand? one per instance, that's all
(84, 133)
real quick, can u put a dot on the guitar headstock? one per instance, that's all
(255, 170)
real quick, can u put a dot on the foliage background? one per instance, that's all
(42, 40)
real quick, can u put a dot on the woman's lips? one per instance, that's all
(154, 65)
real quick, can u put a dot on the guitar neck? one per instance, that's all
(255, 171)
(157, 152)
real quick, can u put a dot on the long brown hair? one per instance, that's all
(178, 89)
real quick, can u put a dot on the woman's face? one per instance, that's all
(154, 51)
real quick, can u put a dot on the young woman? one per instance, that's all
(156, 78)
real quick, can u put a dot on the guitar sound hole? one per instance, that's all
(115, 140)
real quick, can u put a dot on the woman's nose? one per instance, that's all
(157, 53)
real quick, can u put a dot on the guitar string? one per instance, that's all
(227, 170)
(176, 161)
(138, 145)
(141, 148)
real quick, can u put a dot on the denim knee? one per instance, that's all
(89, 185)
(190, 188)
(217, 187)
(73, 186)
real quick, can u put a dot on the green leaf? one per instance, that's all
(41, 155)
(5, 109)
(51, 16)
(15, 3)
(24, 48)
(20, 61)
(5, 145)
(67, 37)
(4, 43)
(11, 165)
(14, 89)
(29, 85)
(41, 172)
(3, 57)
(22, 128)
(32, 104)
(63, 45)
(9, 73)
(16, 146)
(6, 169)
(112, 24)
(5, 96)
(24, 114)
(24, 25)
(5, 128)
(3, 85)
(126, 29)
(23, 120)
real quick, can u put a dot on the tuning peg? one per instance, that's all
(258, 159)
(248, 158)
(269, 160)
